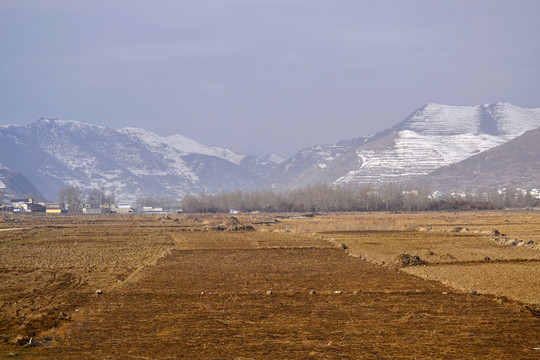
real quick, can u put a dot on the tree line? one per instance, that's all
(317, 198)
(326, 198)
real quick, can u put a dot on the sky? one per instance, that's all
(261, 76)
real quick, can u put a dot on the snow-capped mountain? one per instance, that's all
(432, 136)
(179, 144)
(128, 162)
(131, 162)
(178, 150)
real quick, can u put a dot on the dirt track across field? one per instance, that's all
(168, 293)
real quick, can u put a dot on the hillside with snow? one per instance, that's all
(132, 162)
(54, 153)
(431, 137)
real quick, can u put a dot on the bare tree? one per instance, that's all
(95, 198)
(2, 195)
(99, 197)
(71, 198)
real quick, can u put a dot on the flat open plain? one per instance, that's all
(316, 287)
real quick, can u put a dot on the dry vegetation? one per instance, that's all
(267, 286)
(459, 249)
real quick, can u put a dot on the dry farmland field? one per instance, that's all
(265, 286)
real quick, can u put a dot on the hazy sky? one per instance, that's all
(270, 76)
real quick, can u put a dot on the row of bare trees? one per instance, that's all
(318, 198)
(72, 198)
(325, 198)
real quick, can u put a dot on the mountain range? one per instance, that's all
(54, 153)
(432, 136)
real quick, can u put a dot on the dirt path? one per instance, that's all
(241, 303)
(12, 229)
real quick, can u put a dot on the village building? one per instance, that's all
(52, 207)
(150, 209)
(92, 209)
(122, 208)
(26, 205)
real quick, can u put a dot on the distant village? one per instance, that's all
(27, 205)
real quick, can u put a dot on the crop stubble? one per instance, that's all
(247, 295)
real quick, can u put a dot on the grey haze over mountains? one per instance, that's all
(131, 161)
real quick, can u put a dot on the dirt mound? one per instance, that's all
(404, 260)
(232, 224)
(503, 239)
(496, 233)
(242, 228)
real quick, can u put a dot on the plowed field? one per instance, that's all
(175, 287)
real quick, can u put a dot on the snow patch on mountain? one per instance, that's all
(158, 145)
(514, 120)
(7, 126)
(182, 144)
(415, 154)
(276, 159)
(501, 118)
(436, 119)
(179, 141)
